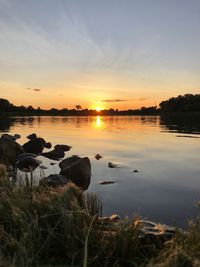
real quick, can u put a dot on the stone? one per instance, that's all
(54, 180)
(9, 150)
(35, 146)
(65, 148)
(104, 182)
(31, 136)
(98, 156)
(112, 165)
(55, 154)
(28, 164)
(78, 170)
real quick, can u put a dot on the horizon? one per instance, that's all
(108, 54)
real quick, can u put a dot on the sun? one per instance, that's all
(98, 109)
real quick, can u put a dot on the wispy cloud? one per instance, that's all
(34, 89)
(144, 98)
(113, 100)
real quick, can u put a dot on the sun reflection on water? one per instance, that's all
(98, 123)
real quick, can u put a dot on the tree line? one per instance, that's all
(181, 103)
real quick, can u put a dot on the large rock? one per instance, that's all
(9, 149)
(54, 180)
(78, 170)
(28, 164)
(35, 146)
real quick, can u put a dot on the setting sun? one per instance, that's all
(98, 109)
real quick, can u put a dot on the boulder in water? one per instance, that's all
(78, 170)
(28, 164)
(35, 146)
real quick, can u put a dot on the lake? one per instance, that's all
(165, 151)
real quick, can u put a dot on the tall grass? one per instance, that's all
(41, 226)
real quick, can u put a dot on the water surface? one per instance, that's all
(166, 187)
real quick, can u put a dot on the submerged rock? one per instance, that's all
(54, 180)
(78, 170)
(107, 182)
(112, 165)
(28, 164)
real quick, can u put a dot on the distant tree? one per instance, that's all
(5, 105)
(78, 107)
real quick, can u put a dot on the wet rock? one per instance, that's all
(28, 164)
(78, 170)
(112, 165)
(55, 154)
(65, 148)
(98, 156)
(35, 146)
(106, 182)
(54, 180)
(31, 136)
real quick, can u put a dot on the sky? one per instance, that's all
(98, 53)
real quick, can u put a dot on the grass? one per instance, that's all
(45, 227)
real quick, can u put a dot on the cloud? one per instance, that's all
(144, 98)
(35, 89)
(113, 100)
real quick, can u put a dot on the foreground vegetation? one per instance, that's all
(46, 227)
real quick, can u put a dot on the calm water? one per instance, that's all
(166, 188)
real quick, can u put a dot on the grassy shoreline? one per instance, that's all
(41, 226)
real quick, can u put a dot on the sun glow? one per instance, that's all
(98, 109)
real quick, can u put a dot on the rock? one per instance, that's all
(112, 218)
(35, 146)
(26, 155)
(107, 182)
(48, 145)
(112, 165)
(31, 136)
(54, 180)
(135, 171)
(98, 156)
(151, 231)
(55, 154)
(78, 170)
(17, 136)
(9, 150)
(65, 148)
(42, 167)
(28, 164)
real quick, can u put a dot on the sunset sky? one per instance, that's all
(98, 53)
